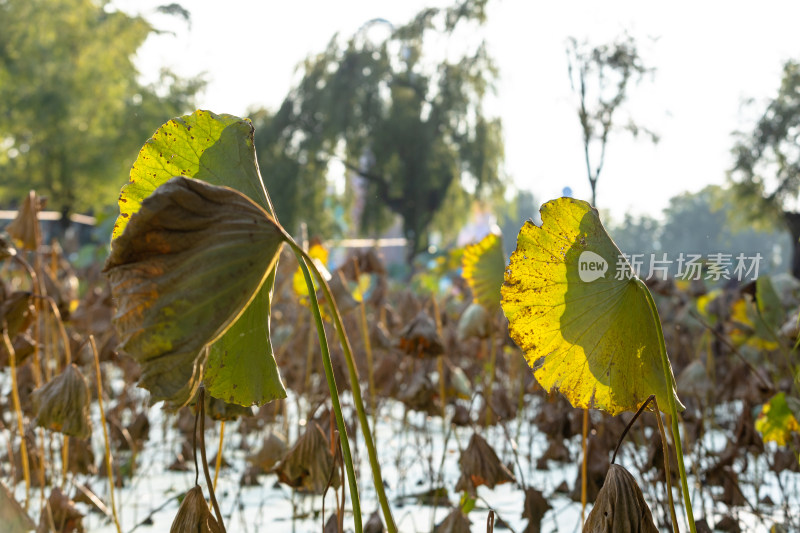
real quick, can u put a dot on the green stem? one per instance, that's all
(326, 363)
(676, 434)
(355, 388)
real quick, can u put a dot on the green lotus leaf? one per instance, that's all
(185, 268)
(483, 265)
(580, 314)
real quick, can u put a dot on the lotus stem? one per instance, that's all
(23, 449)
(302, 259)
(676, 434)
(490, 384)
(105, 432)
(355, 387)
(219, 453)
(667, 471)
(584, 462)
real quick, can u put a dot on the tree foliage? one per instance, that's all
(600, 77)
(410, 125)
(72, 110)
(766, 170)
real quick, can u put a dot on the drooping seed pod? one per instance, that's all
(194, 516)
(62, 404)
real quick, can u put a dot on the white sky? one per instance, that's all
(710, 57)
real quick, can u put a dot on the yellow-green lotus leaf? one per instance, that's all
(580, 315)
(483, 264)
(217, 149)
(777, 421)
(187, 265)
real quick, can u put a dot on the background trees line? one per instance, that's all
(406, 123)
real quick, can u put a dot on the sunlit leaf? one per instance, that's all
(319, 254)
(483, 265)
(586, 327)
(185, 268)
(217, 149)
(205, 146)
(749, 326)
(777, 420)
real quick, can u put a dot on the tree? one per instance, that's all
(766, 170)
(72, 111)
(409, 126)
(599, 76)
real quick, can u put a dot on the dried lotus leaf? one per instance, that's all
(64, 515)
(620, 506)
(455, 522)
(480, 465)
(25, 229)
(12, 515)
(309, 464)
(62, 404)
(419, 337)
(194, 516)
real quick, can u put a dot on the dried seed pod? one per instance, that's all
(63, 404)
(620, 506)
(12, 516)
(309, 464)
(193, 515)
(481, 466)
(25, 229)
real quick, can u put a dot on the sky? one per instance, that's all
(709, 59)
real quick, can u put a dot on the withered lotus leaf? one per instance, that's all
(61, 516)
(620, 506)
(12, 515)
(24, 229)
(194, 516)
(309, 464)
(455, 522)
(534, 509)
(419, 337)
(481, 466)
(62, 404)
(16, 313)
(186, 266)
(272, 450)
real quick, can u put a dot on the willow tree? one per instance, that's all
(766, 170)
(409, 123)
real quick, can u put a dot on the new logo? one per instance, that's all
(591, 266)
